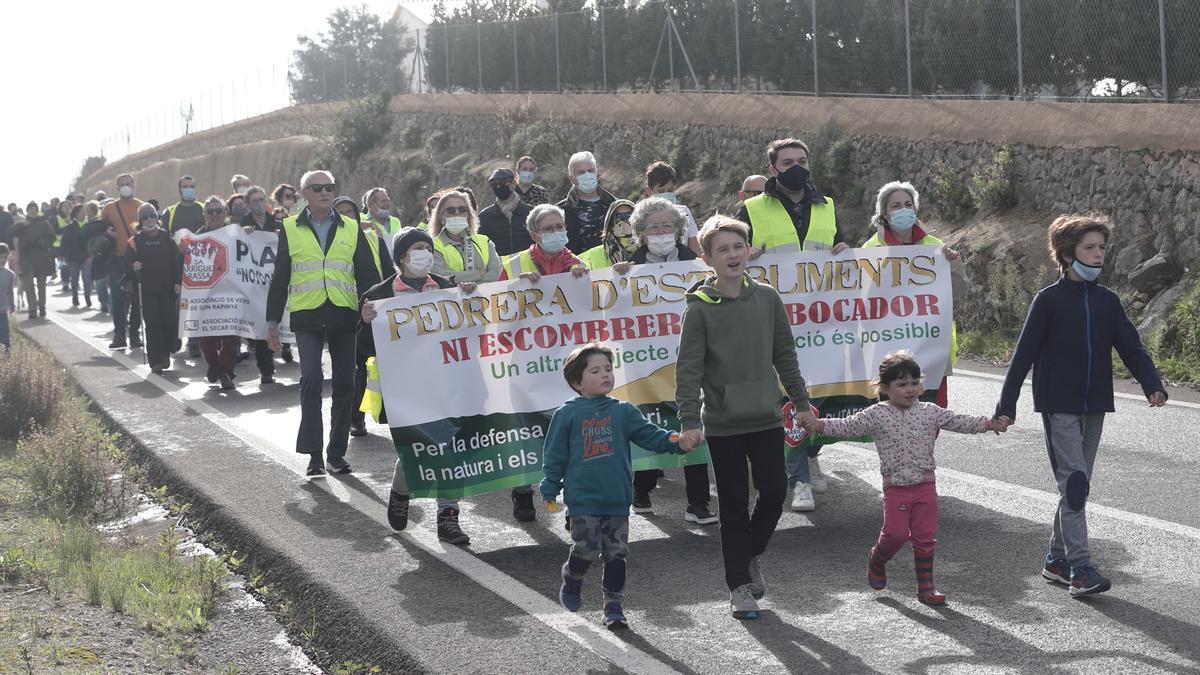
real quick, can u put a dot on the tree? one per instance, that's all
(358, 55)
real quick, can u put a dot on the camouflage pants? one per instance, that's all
(603, 536)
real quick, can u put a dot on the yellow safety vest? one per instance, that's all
(373, 243)
(316, 275)
(58, 233)
(372, 400)
(393, 225)
(774, 231)
(454, 258)
(596, 258)
(520, 263)
(927, 240)
(171, 216)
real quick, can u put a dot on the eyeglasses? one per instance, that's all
(327, 187)
(553, 228)
(462, 210)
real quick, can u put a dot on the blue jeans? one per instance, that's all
(102, 291)
(311, 345)
(797, 464)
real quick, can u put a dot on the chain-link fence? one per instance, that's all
(1146, 50)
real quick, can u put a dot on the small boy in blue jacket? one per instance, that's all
(587, 450)
(1068, 339)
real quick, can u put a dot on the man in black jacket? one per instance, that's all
(331, 322)
(586, 204)
(504, 221)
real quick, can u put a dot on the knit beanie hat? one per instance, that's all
(405, 239)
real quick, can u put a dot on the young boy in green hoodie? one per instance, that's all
(587, 450)
(735, 347)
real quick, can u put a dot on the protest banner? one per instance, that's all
(469, 380)
(226, 276)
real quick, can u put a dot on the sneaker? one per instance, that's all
(448, 529)
(817, 478)
(356, 428)
(758, 584)
(1087, 580)
(136, 343)
(315, 471)
(700, 515)
(115, 344)
(286, 353)
(614, 616)
(742, 603)
(1056, 570)
(523, 506)
(339, 467)
(641, 504)
(802, 498)
(570, 596)
(397, 511)
(227, 381)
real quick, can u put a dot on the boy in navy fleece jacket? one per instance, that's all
(1068, 338)
(587, 450)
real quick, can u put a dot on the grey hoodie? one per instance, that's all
(736, 351)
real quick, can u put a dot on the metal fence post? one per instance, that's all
(516, 67)
(737, 45)
(816, 38)
(446, 44)
(603, 51)
(1162, 51)
(479, 53)
(1020, 55)
(908, 46)
(557, 60)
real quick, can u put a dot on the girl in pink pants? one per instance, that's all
(905, 430)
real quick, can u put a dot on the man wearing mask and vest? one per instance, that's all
(185, 214)
(126, 302)
(323, 265)
(791, 214)
(378, 213)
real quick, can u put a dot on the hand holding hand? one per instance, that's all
(806, 419)
(531, 276)
(690, 439)
(368, 311)
(622, 267)
(1158, 399)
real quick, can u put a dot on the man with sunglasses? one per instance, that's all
(322, 267)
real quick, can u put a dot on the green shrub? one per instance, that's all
(832, 170)
(539, 140)
(68, 468)
(437, 141)
(1176, 345)
(31, 391)
(995, 186)
(950, 193)
(360, 126)
(412, 135)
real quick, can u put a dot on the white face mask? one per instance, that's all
(420, 261)
(126, 191)
(456, 224)
(660, 244)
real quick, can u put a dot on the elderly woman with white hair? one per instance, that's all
(895, 221)
(549, 253)
(660, 231)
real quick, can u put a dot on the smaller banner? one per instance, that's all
(226, 276)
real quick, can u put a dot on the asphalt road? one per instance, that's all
(492, 607)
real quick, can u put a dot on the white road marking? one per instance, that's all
(1028, 383)
(588, 634)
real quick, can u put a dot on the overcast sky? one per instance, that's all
(77, 74)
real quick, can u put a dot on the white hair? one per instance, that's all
(583, 156)
(886, 191)
(541, 211)
(238, 178)
(310, 174)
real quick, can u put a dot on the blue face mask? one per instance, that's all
(526, 177)
(382, 214)
(669, 196)
(587, 182)
(902, 220)
(188, 194)
(1087, 272)
(554, 242)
